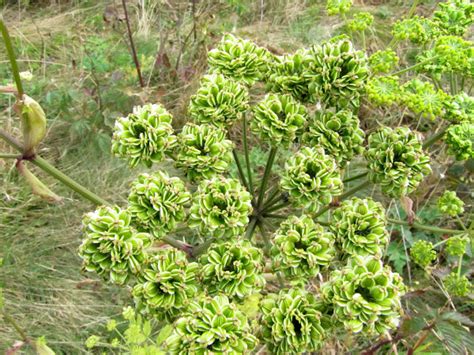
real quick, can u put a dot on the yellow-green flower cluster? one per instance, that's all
(166, 284)
(460, 140)
(384, 90)
(219, 101)
(422, 98)
(157, 202)
(360, 227)
(289, 75)
(416, 29)
(360, 22)
(383, 61)
(454, 17)
(422, 253)
(221, 207)
(203, 151)
(144, 136)
(459, 108)
(233, 268)
(365, 296)
(396, 160)
(111, 247)
(239, 59)
(337, 72)
(457, 285)
(450, 204)
(338, 133)
(301, 248)
(278, 119)
(311, 178)
(456, 246)
(291, 322)
(338, 7)
(211, 326)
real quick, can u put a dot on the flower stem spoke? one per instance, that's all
(434, 138)
(251, 227)
(239, 169)
(275, 207)
(247, 157)
(413, 66)
(177, 244)
(273, 197)
(424, 227)
(266, 175)
(355, 177)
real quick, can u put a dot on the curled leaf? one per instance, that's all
(37, 187)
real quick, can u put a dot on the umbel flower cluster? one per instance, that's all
(230, 261)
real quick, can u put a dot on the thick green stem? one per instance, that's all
(247, 158)
(434, 138)
(413, 8)
(11, 56)
(413, 66)
(177, 244)
(355, 177)
(424, 227)
(239, 169)
(9, 156)
(9, 319)
(266, 175)
(51, 170)
(201, 248)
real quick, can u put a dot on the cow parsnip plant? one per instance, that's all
(225, 264)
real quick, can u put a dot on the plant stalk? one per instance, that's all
(266, 175)
(414, 66)
(434, 138)
(240, 170)
(9, 156)
(355, 177)
(247, 158)
(420, 226)
(132, 45)
(11, 56)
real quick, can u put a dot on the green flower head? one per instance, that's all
(383, 61)
(422, 253)
(416, 29)
(278, 119)
(221, 208)
(454, 53)
(156, 202)
(311, 178)
(459, 108)
(450, 204)
(288, 75)
(460, 140)
(339, 134)
(396, 160)
(454, 17)
(233, 268)
(360, 227)
(211, 326)
(301, 248)
(167, 284)
(384, 90)
(456, 246)
(239, 59)
(219, 101)
(144, 136)
(360, 22)
(203, 151)
(365, 296)
(338, 73)
(422, 98)
(111, 248)
(291, 322)
(457, 285)
(336, 7)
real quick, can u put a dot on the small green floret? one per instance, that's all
(422, 253)
(450, 204)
